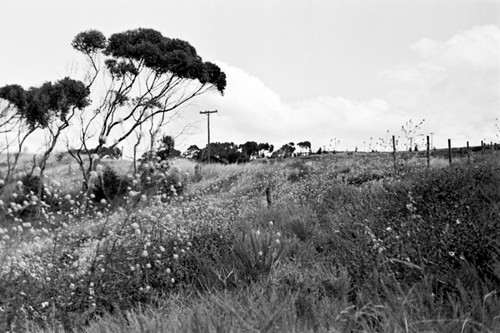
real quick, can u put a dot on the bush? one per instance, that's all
(110, 185)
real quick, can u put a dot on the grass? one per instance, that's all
(347, 245)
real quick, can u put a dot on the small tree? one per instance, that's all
(305, 145)
(193, 152)
(286, 150)
(410, 132)
(49, 107)
(250, 148)
(167, 148)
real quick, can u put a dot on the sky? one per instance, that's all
(339, 74)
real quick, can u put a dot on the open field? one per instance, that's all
(340, 243)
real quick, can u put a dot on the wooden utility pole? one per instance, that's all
(449, 150)
(468, 152)
(394, 153)
(208, 126)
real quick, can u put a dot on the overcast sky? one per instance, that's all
(312, 70)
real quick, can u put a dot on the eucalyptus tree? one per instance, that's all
(147, 75)
(49, 107)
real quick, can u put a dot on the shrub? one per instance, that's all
(110, 185)
(256, 253)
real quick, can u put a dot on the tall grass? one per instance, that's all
(345, 246)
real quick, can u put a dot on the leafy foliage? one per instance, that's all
(90, 41)
(40, 105)
(110, 185)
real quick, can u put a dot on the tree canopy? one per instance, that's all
(38, 105)
(129, 50)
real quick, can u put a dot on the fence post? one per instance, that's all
(468, 152)
(268, 197)
(394, 152)
(428, 153)
(197, 169)
(449, 150)
(482, 147)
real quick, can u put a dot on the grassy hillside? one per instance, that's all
(341, 243)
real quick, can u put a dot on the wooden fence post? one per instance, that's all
(428, 153)
(197, 170)
(394, 152)
(449, 150)
(468, 152)
(268, 197)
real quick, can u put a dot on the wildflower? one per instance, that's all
(45, 304)
(19, 183)
(144, 253)
(162, 249)
(270, 223)
(260, 253)
(67, 197)
(175, 256)
(148, 265)
(103, 201)
(135, 225)
(172, 280)
(168, 271)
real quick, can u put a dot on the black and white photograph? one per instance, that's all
(250, 166)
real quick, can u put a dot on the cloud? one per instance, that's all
(249, 110)
(455, 84)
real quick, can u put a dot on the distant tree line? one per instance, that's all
(229, 152)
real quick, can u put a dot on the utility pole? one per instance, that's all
(208, 126)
